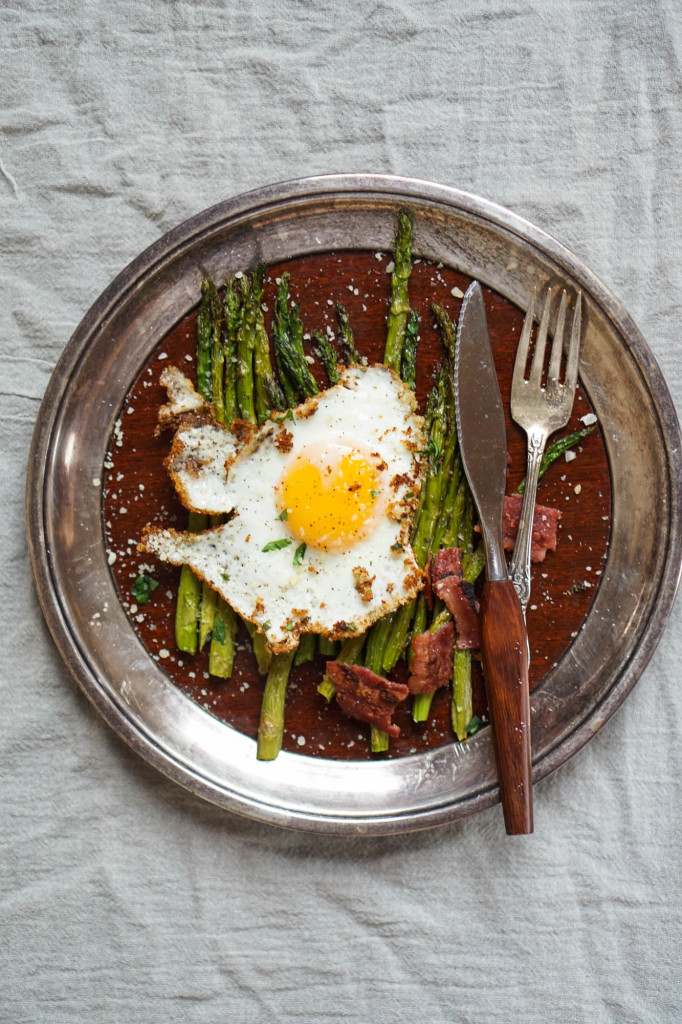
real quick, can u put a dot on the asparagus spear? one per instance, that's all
(209, 600)
(296, 329)
(217, 354)
(269, 394)
(204, 343)
(271, 725)
(433, 484)
(327, 354)
(408, 362)
(450, 507)
(294, 372)
(232, 312)
(306, 649)
(273, 394)
(189, 598)
(377, 639)
(261, 649)
(280, 332)
(462, 703)
(399, 308)
(221, 653)
(327, 648)
(295, 367)
(376, 642)
(246, 343)
(346, 336)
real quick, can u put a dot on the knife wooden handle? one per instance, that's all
(504, 650)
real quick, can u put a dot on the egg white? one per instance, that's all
(370, 408)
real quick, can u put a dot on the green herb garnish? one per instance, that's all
(474, 725)
(143, 588)
(283, 515)
(299, 554)
(219, 631)
(432, 451)
(276, 545)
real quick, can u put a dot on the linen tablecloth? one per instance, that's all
(124, 898)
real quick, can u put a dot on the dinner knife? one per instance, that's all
(504, 641)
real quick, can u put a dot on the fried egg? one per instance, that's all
(320, 502)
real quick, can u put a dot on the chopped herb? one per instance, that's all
(374, 494)
(219, 631)
(265, 626)
(276, 545)
(143, 588)
(397, 546)
(283, 515)
(432, 451)
(289, 626)
(351, 625)
(474, 725)
(225, 576)
(299, 554)
(288, 415)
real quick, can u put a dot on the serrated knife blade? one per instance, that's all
(504, 642)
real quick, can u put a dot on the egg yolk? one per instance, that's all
(328, 495)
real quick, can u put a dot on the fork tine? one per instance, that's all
(558, 341)
(524, 342)
(574, 346)
(541, 340)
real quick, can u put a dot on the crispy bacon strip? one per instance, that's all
(545, 522)
(447, 563)
(432, 660)
(458, 595)
(366, 696)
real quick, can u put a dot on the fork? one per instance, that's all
(541, 409)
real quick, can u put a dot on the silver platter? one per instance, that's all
(65, 530)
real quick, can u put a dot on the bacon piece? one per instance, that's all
(459, 597)
(463, 606)
(448, 562)
(366, 696)
(545, 522)
(432, 660)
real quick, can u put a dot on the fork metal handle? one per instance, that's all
(519, 569)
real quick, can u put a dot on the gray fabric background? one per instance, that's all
(124, 899)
